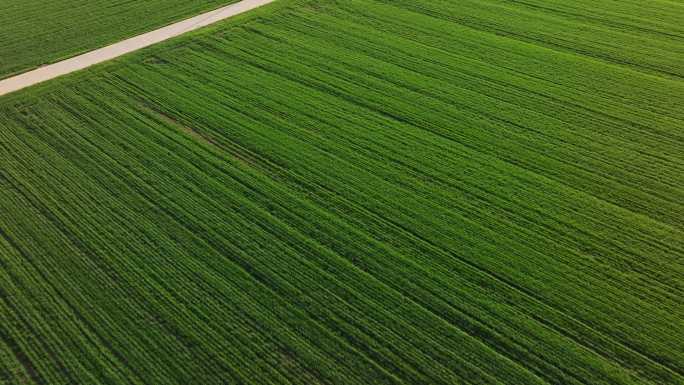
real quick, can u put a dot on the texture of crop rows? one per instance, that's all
(355, 192)
(36, 32)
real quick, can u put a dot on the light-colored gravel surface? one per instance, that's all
(109, 52)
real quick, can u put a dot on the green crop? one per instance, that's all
(355, 192)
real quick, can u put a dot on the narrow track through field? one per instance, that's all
(76, 63)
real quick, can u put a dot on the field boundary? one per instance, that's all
(88, 59)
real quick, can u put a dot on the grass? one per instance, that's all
(37, 32)
(367, 191)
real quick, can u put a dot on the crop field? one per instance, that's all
(37, 32)
(356, 192)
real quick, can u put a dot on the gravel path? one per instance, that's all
(123, 47)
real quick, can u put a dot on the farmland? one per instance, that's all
(36, 32)
(355, 192)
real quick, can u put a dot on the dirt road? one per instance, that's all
(109, 52)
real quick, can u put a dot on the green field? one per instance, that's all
(36, 32)
(356, 192)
